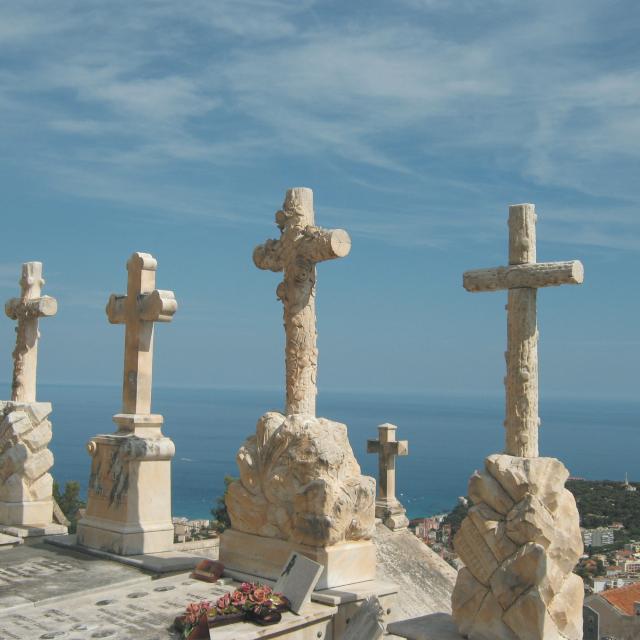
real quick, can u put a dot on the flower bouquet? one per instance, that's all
(251, 601)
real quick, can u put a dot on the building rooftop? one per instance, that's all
(623, 598)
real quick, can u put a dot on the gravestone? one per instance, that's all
(521, 539)
(26, 502)
(129, 493)
(388, 507)
(591, 625)
(300, 486)
(297, 580)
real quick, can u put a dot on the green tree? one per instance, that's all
(69, 501)
(456, 516)
(219, 512)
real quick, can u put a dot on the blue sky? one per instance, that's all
(175, 128)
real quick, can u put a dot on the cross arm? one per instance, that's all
(35, 307)
(325, 244)
(158, 306)
(115, 309)
(373, 446)
(268, 256)
(532, 275)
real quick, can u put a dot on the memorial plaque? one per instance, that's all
(298, 579)
(590, 624)
(208, 571)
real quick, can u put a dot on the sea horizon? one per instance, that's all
(449, 435)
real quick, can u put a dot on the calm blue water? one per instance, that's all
(448, 437)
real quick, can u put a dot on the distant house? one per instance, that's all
(597, 537)
(619, 611)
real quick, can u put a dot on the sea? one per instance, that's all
(449, 436)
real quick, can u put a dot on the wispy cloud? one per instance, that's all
(479, 99)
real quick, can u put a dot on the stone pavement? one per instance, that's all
(52, 593)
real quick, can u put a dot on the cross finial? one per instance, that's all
(26, 309)
(138, 310)
(388, 448)
(301, 245)
(522, 278)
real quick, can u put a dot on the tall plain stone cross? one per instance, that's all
(27, 309)
(522, 278)
(300, 247)
(138, 310)
(388, 448)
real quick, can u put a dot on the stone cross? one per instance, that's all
(301, 245)
(522, 278)
(138, 310)
(387, 448)
(26, 310)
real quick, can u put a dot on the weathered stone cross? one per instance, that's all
(522, 278)
(296, 252)
(387, 448)
(138, 310)
(26, 310)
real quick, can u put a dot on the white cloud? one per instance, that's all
(533, 91)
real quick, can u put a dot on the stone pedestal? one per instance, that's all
(129, 495)
(252, 555)
(300, 488)
(392, 514)
(25, 460)
(520, 543)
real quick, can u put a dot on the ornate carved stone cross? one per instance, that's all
(26, 310)
(522, 278)
(300, 246)
(387, 448)
(138, 310)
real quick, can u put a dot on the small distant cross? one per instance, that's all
(26, 310)
(300, 247)
(138, 310)
(387, 448)
(522, 278)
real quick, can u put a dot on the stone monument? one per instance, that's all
(129, 494)
(300, 486)
(25, 460)
(521, 538)
(388, 507)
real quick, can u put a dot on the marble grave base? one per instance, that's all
(344, 564)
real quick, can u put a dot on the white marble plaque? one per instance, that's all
(298, 579)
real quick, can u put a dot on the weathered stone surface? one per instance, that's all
(566, 546)
(300, 481)
(388, 507)
(534, 587)
(129, 493)
(542, 477)
(492, 527)
(519, 573)
(522, 279)
(474, 552)
(530, 521)
(26, 310)
(529, 618)
(39, 437)
(467, 598)
(566, 608)
(25, 461)
(488, 623)
(483, 488)
(424, 579)
(296, 252)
